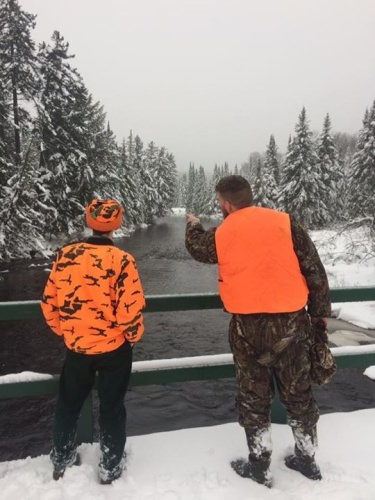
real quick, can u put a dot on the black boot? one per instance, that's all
(304, 464)
(256, 470)
(58, 472)
(108, 475)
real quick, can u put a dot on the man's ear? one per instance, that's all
(229, 207)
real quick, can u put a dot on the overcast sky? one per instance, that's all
(211, 80)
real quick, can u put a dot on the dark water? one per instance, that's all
(165, 268)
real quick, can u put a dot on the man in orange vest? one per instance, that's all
(273, 283)
(94, 300)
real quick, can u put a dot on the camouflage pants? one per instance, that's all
(270, 348)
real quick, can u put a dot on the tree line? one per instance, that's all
(322, 179)
(57, 150)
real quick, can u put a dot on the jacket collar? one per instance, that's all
(99, 240)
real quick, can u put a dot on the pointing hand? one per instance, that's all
(191, 218)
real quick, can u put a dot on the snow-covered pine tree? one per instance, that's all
(165, 174)
(79, 157)
(300, 182)
(201, 198)
(107, 161)
(6, 144)
(225, 170)
(20, 222)
(62, 119)
(212, 204)
(91, 169)
(145, 164)
(245, 171)
(271, 174)
(190, 193)
(129, 187)
(329, 171)
(181, 191)
(346, 147)
(362, 180)
(260, 197)
(18, 72)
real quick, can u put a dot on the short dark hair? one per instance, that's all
(236, 189)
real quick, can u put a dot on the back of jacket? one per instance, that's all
(94, 297)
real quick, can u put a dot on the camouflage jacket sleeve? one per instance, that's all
(49, 304)
(130, 300)
(201, 243)
(319, 302)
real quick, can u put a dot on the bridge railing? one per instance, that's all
(172, 370)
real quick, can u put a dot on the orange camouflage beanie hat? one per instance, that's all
(104, 215)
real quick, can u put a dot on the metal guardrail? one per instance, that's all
(178, 370)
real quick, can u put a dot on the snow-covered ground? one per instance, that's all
(193, 464)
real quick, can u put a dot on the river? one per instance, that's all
(165, 268)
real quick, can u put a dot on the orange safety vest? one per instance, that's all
(258, 269)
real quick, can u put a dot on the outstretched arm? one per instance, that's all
(200, 243)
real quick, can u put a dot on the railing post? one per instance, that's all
(85, 430)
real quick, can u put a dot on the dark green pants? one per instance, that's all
(268, 348)
(76, 382)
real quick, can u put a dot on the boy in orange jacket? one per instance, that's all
(94, 300)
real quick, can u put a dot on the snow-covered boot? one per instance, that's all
(107, 476)
(257, 470)
(59, 470)
(304, 464)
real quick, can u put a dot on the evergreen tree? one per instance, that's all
(300, 184)
(225, 170)
(201, 198)
(106, 161)
(212, 203)
(129, 187)
(245, 171)
(18, 74)
(329, 171)
(169, 194)
(79, 156)
(181, 191)
(271, 174)
(62, 120)
(362, 180)
(163, 173)
(135, 158)
(20, 223)
(259, 189)
(145, 164)
(346, 147)
(190, 188)
(6, 147)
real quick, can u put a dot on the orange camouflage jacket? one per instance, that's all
(94, 297)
